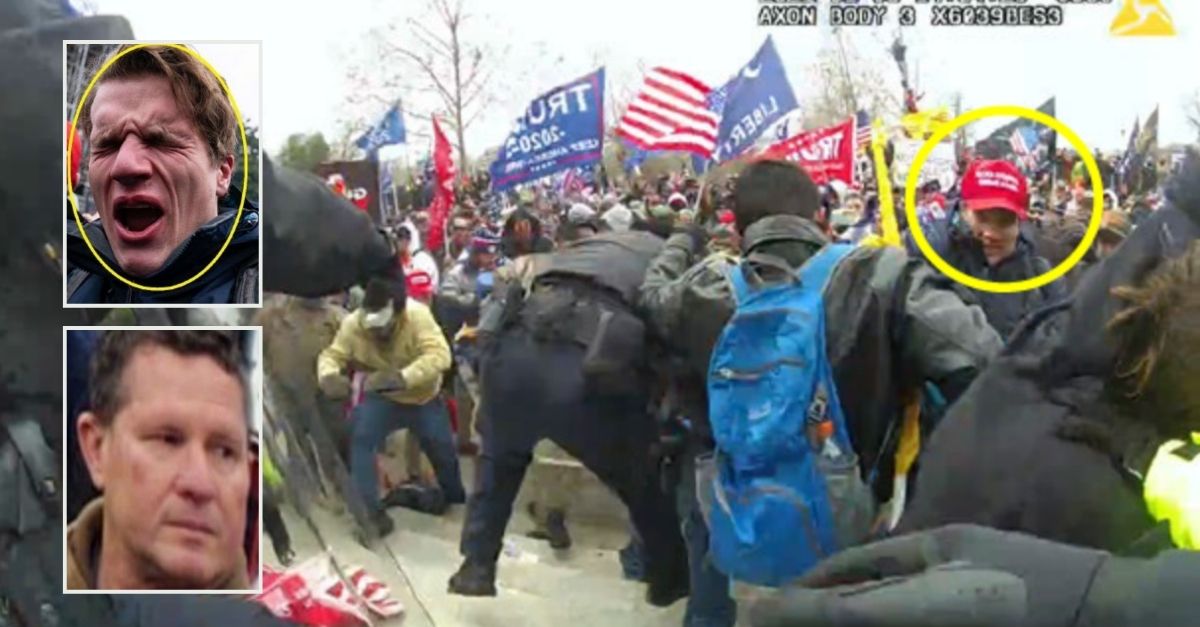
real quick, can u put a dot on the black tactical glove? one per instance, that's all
(959, 575)
(385, 382)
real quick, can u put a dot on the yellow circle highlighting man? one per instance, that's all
(245, 167)
(1003, 287)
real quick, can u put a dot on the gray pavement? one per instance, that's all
(537, 586)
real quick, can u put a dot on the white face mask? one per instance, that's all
(379, 319)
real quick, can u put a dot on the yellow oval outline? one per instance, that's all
(1003, 287)
(245, 169)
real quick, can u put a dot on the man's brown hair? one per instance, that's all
(116, 348)
(198, 92)
(1158, 338)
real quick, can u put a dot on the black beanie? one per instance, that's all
(380, 289)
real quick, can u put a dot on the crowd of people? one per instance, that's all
(578, 327)
(1056, 425)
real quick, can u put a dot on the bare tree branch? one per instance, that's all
(429, 71)
(479, 89)
(433, 55)
(445, 46)
(1191, 112)
(478, 113)
(434, 63)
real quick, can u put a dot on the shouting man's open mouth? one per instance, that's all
(138, 217)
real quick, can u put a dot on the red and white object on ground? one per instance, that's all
(312, 594)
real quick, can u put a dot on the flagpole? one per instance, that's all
(395, 200)
(837, 31)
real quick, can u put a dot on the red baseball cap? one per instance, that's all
(995, 185)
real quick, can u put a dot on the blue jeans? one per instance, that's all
(709, 604)
(377, 417)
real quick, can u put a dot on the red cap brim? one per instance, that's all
(983, 204)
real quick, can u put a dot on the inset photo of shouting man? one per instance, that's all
(162, 173)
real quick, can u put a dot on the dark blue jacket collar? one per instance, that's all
(189, 258)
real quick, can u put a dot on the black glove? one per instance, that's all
(959, 575)
(385, 381)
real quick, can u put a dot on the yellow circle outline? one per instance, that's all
(1003, 287)
(245, 169)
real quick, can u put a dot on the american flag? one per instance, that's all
(377, 595)
(312, 593)
(1024, 140)
(572, 182)
(717, 97)
(716, 103)
(862, 131)
(671, 113)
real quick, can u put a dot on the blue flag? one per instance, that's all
(716, 103)
(389, 130)
(560, 129)
(754, 99)
(637, 156)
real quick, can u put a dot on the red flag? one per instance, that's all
(825, 153)
(443, 193)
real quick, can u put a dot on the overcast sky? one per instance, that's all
(1101, 82)
(238, 64)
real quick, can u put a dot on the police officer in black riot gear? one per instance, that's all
(567, 362)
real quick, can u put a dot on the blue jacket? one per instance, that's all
(234, 278)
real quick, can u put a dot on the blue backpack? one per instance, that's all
(782, 491)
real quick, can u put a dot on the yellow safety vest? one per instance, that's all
(271, 474)
(1172, 491)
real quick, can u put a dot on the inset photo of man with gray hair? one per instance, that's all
(162, 465)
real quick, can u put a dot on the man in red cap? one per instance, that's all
(985, 240)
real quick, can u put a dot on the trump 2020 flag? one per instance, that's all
(389, 130)
(754, 99)
(561, 128)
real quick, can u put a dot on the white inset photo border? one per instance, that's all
(250, 339)
(239, 63)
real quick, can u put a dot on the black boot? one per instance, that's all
(383, 523)
(666, 585)
(474, 579)
(556, 530)
(665, 595)
(286, 555)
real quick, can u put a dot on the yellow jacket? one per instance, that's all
(417, 351)
(1172, 492)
